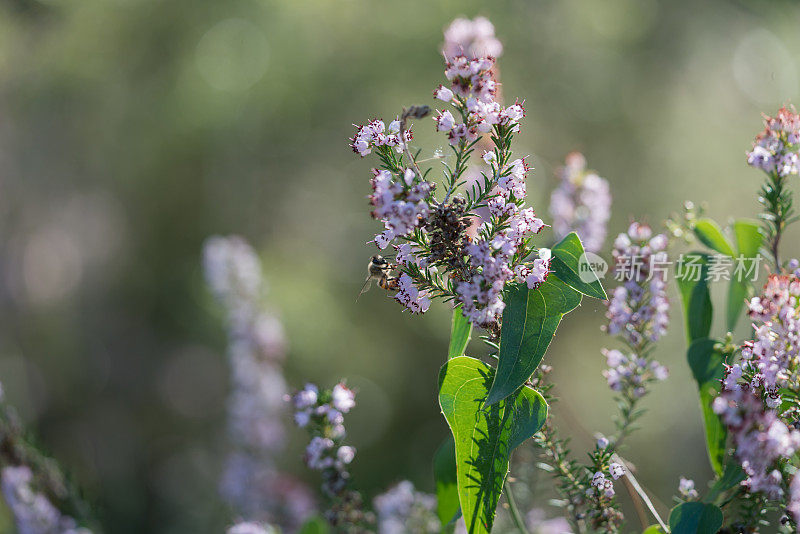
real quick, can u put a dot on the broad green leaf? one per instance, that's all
(748, 244)
(738, 293)
(692, 270)
(314, 525)
(709, 233)
(483, 436)
(653, 529)
(460, 331)
(707, 368)
(566, 264)
(748, 237)
(530, 412)
(731, 478)
(530, 320)
(444, 472)
(695, 518)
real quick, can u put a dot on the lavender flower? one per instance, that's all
(686, 489)
(750, 398)
(603, 485)
(251, 483)
(471, 38)
(638, 309)
(402, 509)
(322, 414)
(375, 134)
(776, 148)
(581, 203)
(760, 439)
(630, 374)
(772, 354)
(33, 512)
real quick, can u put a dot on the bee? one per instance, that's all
(379, 270)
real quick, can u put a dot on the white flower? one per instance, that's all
(616, 470)
(445, 121)
(343, 398)
(345, 454)
(443, 93)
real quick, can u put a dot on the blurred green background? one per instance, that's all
(130, 130)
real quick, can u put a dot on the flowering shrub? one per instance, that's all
(470, 241)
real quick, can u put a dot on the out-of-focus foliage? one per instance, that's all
(132, 129)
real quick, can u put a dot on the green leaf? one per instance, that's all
(709, 233)
(530, 412)
(748, 237)
(566, 264)
(530, 320)
(748, 244)
(444, 472)
(738, 292)
(707, 368)
(695, 518)
(653, 529)
(731, 478)
(460, 331)
(314, 525)
(692, 270)
(483, 436)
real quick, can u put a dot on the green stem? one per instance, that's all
(512, 507)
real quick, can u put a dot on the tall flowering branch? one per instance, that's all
(435, 257)
(251, 482)
(776, 151)
(581, 203)
(637, 315)
(760, 398)
(322, 414)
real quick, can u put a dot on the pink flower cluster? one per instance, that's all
(323, 415)
(760, 438)
(482, 296)
(400, 204)
(376, 134)
(773, 353)
(581, 203)
(472, 92)
(436, 255)
(410, 296)
(632, 373)
(472, 38)
(638, 309)
(492, 253)
(604, 484)
(776, 148)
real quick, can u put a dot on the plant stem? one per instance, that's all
(512, 507)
